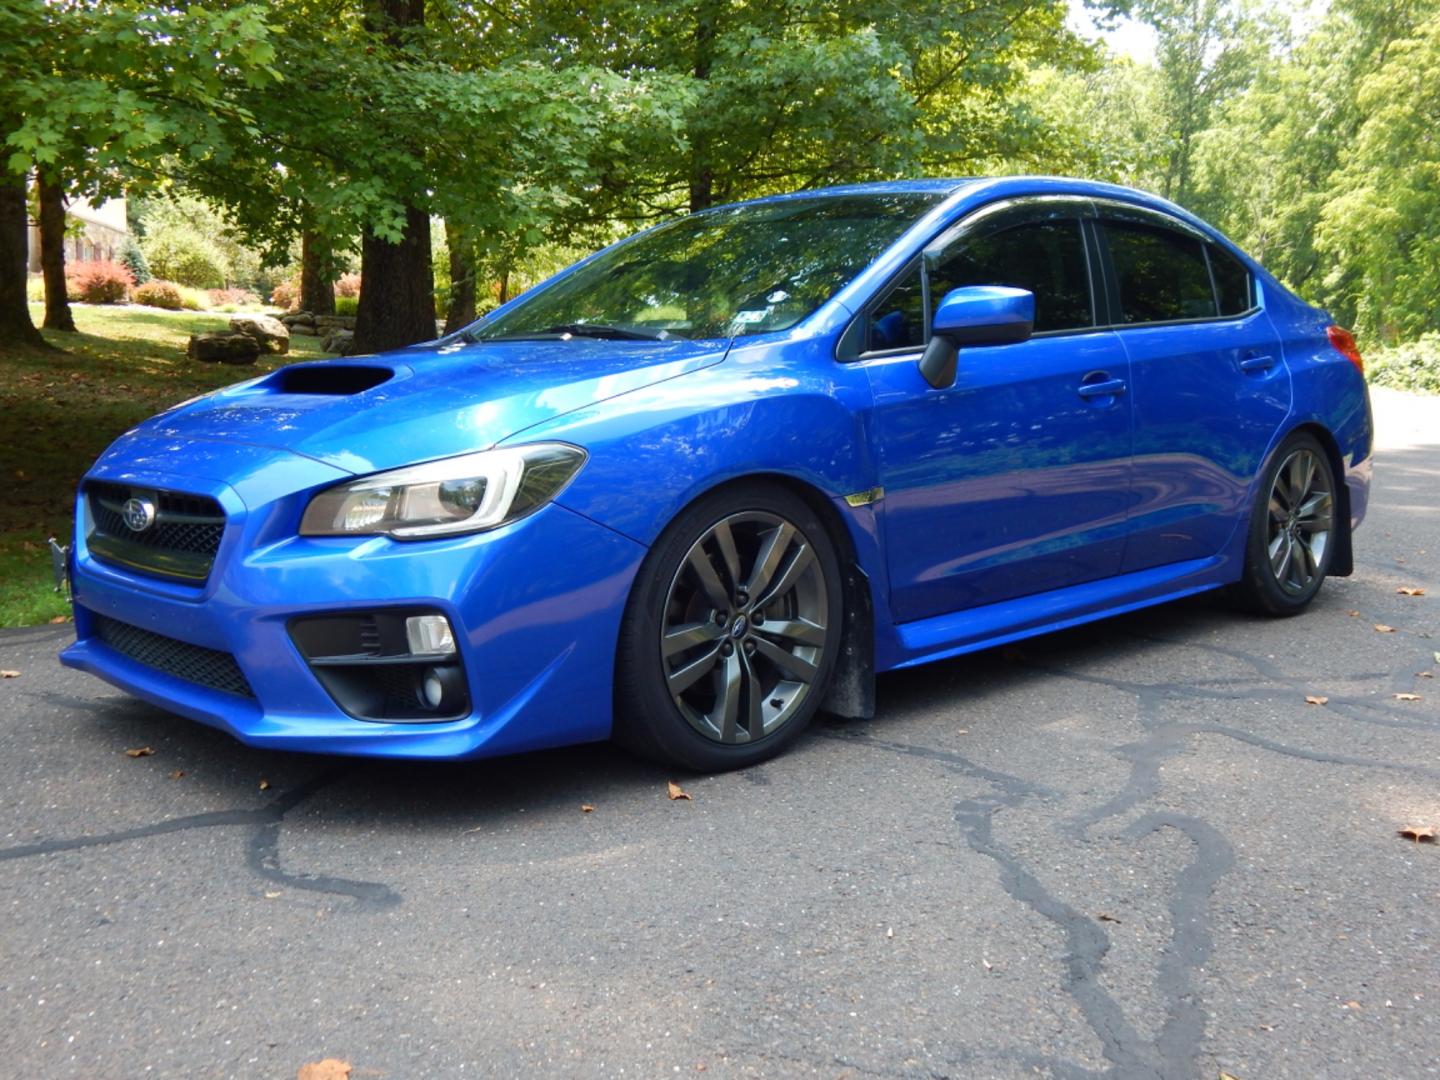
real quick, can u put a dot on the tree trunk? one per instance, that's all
(16, 327)
(397, 282)
(317, 276)
(52, 254)
(397, 289)
(702, 175)
(505, 285)
(461, 312)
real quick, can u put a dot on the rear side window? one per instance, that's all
(1046, 257)
(1232, 282)
(1162, 275)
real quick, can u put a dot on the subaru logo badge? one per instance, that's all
(139, 514)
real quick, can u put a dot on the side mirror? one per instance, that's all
(975, 315)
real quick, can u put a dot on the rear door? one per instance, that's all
(1209, 387)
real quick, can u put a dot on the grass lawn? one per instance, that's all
(61, 409)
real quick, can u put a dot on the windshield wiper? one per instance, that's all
(593, 330)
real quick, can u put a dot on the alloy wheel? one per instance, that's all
(744, 630)
(1301, 516)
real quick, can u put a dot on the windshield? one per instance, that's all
(736, 270)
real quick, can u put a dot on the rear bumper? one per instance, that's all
(535, 608)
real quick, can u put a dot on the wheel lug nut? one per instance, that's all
(720, 618)
(726, 649)
(749, 647)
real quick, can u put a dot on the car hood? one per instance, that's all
(368, 413)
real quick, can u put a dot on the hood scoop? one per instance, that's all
(335, 380)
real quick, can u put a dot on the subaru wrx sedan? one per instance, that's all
(715, 477)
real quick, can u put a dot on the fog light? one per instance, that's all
(429, 635)
(432, 689)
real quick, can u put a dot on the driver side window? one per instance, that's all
(1046, 257)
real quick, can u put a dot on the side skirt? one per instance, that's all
(960, 632)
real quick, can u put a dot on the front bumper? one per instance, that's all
(535, 607)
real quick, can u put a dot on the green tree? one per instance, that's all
(1381, 224)
(98, 92)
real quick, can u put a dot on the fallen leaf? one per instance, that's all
(140, 751)
(1425, 674)
(1353, 614)
(9, 674)
(1419, 833)
(1266, 1027)
(1437, 657)
(1227, 1076)
(1407, 697)
(1105, 916)
(963, 731)
(1352, 1004)
(20, 474)
(177, 774)
(676, 791)
(1410, 590)
(264, 785)
(1381, 628)
(1315, 699)
(586, 808)
(274, 895)
(58, 619)
(329, 1069)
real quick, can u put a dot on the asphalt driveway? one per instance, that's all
(1130, 850)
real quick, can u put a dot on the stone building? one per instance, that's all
(100, 233)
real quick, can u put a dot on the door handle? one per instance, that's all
(1257, 363)
(1108, 388)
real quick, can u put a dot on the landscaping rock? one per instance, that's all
(338, 341)
(345, 322)
(305, 330)
(271, 334)
(298, 318)
(224, 347)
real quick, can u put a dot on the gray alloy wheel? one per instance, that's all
(744, 632)
(1301, 517)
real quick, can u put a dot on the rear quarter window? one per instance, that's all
(1233, 286)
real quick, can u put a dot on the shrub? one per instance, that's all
(157, 293)
(1412, 366)
(194, 299)
(134, 260)
(101, 282)
(180, 254)
(286, 295)
(347, 285)
(35, 289)
(347, 305)
(220, 298)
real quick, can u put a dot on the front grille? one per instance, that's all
(193, 663)
(181, 543)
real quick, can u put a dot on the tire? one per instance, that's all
(708, 676)
(1291, 538)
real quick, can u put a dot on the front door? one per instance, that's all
(1014, 480)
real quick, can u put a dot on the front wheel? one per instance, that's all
(1292, 526)
(730, 636)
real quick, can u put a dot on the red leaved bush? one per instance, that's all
(101, 282)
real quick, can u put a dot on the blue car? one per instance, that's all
(715, 477)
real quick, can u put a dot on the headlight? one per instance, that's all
(442, 498)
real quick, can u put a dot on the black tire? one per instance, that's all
(1294, 512)
(767, 674)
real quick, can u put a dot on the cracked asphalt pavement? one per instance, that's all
(1131, 850)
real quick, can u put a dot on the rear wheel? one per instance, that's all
(1292, 525)
(730, 636)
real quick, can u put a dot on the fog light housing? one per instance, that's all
(429, 635)
(394, 664)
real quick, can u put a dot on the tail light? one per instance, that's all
(1343, 342)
